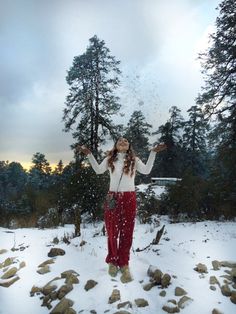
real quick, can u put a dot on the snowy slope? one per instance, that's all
(182, 247)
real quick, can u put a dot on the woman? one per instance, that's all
(120, 206)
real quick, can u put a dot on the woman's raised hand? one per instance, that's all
(159, 148)
(82, 149)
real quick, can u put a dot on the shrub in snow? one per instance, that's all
(13, 224)
(187, 200)
(147, 205)
(67, 216)
(50, 219)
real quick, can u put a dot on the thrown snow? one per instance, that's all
(182, 247)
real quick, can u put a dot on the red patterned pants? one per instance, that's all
(120, 226)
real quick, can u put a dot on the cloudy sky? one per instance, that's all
(157, 42)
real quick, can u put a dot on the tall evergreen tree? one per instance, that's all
(176, 123)
(59, 168)
(91, 102)
(39, 174)
(169, 162)
(137, 132)
(40, 163)
(194, 140)
(219, 98)
(218, 63)
(3, 179)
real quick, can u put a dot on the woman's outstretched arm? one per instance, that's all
(146, 168)
(98, 168)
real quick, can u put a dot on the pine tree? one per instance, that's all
(218, 62)
(170, 162)
(137, 133)
(194, 140)
(59, 168)
(176, 123)
(39, 174)
(91, 102)
(40, 163)
(3, 180)
(219, 99)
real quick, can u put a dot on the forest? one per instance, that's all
(201, 150)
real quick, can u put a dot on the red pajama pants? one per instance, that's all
(120, 226)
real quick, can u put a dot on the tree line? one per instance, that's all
(201, 149)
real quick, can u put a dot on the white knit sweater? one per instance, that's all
(127, 182)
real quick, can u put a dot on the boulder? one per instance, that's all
(165, 280)
(228, 264)
(2, 251)
(201, 268)
(169, 307)
(141, 302)
(56, 252)
(46, 302)
(162, 293)
(157, 276)
(71, 279)
(184, 301)
(8, 261)
(64, 290)
(227, 277)
(90, 284)
(34, 290)
(22, 265)
(53, 295)
(151, 270)
(115, 296)
(62, 306)
(180, 292)
(148, 286)
(233, 273)
(10, 273)
(7, 284)
(68, 273)
(215, 311)
(70, 311)
(43, 270)
(225, 290)
(49, 261)
(126, 304)
(233, 297)
(214, 281)
(48, 289)
(216, 265)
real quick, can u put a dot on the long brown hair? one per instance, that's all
(129, 161)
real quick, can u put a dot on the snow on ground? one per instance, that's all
(158, 190)
(182, 247)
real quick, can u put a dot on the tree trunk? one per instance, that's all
(77, 221)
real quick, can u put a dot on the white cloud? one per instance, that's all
(156, 41)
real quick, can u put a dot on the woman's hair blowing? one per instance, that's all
(129, 161)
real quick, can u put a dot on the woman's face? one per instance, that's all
(122, 145)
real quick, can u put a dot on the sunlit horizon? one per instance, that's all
(28, 165)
